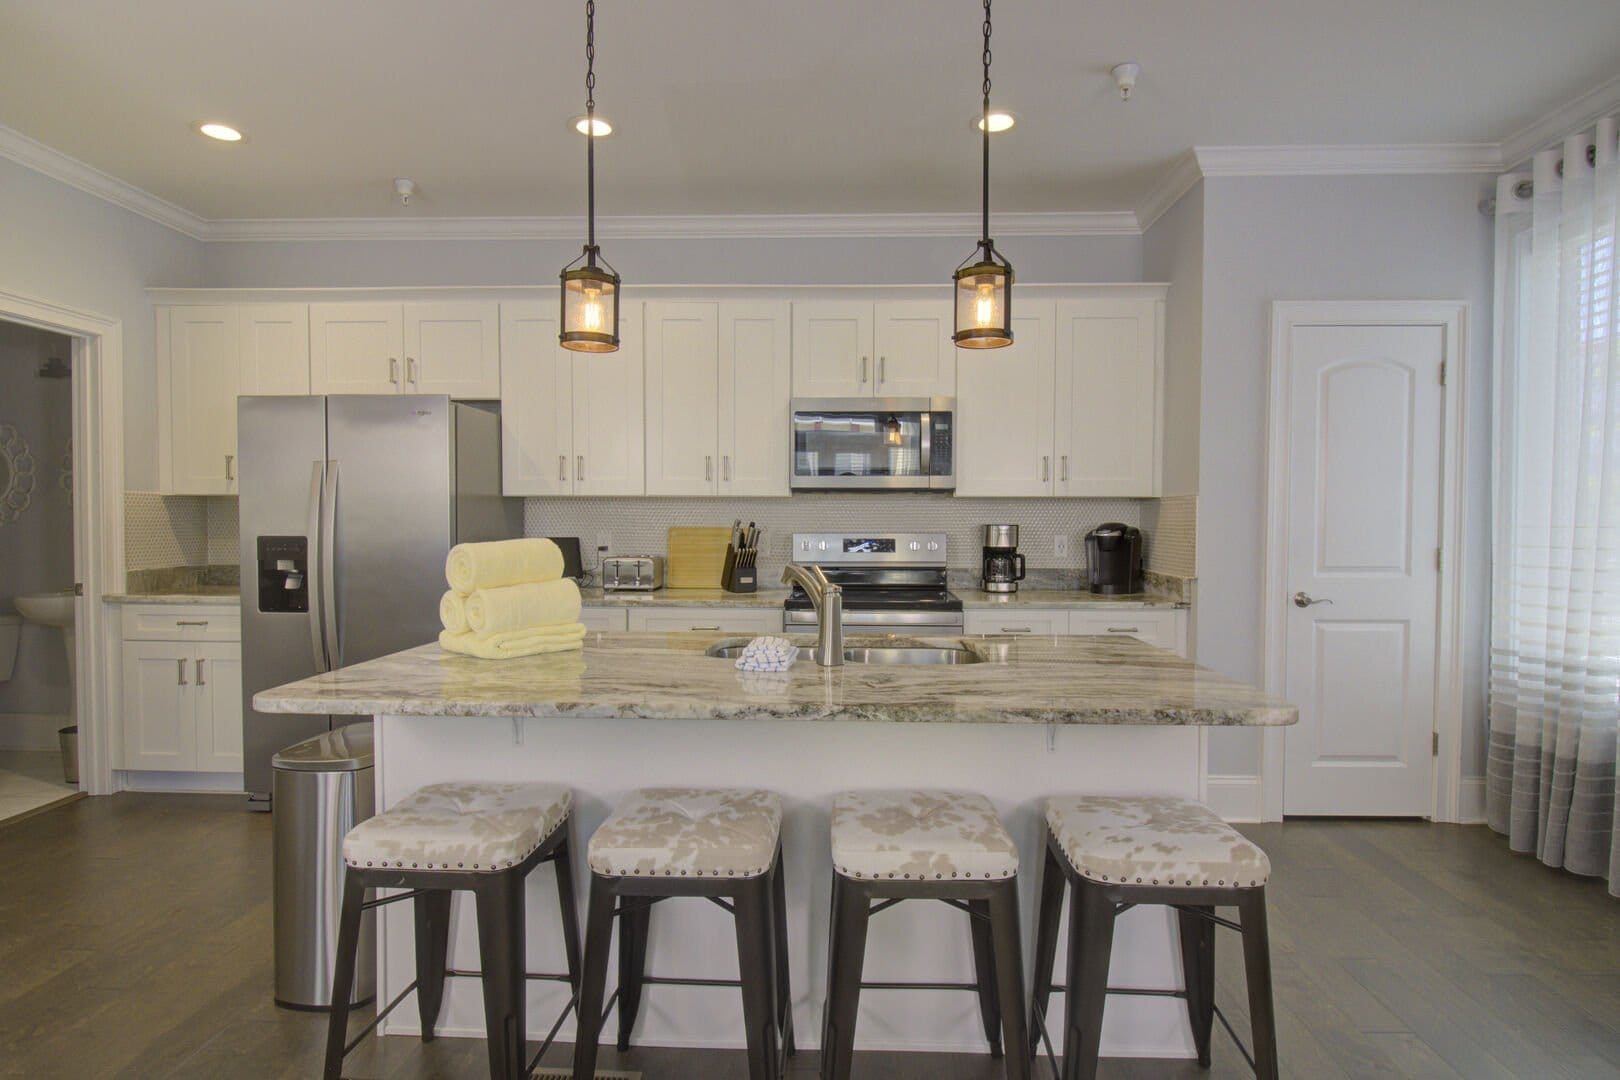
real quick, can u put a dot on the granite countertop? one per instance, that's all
(195, 594)
(976, 599)
(1060, 680)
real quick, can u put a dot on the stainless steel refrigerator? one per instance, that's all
(349, 505)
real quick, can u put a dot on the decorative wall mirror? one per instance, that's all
(16, 474)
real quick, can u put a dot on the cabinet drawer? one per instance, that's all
(165, 622)
(1024, 622)
(1154, 627)
(603, 619)
(723, 620)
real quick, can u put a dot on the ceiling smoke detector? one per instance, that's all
(1125, 78)
(404, 188)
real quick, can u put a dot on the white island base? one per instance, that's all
(806, 762)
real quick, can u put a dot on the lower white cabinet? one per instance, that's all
(738, 620)
(1165, 628)
(603, 619)
(1033, 622)
(182, 699)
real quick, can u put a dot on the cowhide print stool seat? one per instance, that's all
(889, 846)
(1116, 853)
(483, 838)
(723, 845)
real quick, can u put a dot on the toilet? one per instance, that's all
(10, 632)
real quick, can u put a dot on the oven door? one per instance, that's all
(881, 444)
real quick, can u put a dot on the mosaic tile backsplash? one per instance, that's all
(178, 530)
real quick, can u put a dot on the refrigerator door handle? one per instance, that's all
(334, 643)
(317, 586)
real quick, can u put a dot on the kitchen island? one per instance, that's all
(1023, 719)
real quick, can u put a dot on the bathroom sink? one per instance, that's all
(888, 654)
(47, 609)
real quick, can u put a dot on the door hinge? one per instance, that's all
(1439, 558)
(1442, 373)
(78, 588)
(1436, 744)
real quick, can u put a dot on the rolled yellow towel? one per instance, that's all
(515, 643)
(453, 612)
(520, 607)
(470, 567)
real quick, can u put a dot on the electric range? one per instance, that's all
(893, 582)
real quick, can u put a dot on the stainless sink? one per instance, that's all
(886, 654)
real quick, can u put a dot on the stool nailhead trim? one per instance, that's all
(400, 865)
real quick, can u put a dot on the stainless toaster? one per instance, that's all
(630, 572)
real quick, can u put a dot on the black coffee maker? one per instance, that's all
(1003, 567)
(1114, 559)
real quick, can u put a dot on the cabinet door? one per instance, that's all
(159, 707)
(832, 348)
(453, 349)
(537, 402)
(203, 362)
(1159, 628)
(1108, 384)
(756, 377)
(217, 690)
(1005, 411)
(724, 620)
(603, 619)
(683, 398)
(609, 451)
(275, 349)
(356, 348)
(1017, 621)
(915, 354)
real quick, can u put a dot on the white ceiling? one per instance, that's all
(738, 107)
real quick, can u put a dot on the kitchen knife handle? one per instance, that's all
(180, 670)
(393, 371)
(317, 585)
(200, 681)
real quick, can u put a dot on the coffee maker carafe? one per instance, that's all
(1003, 567)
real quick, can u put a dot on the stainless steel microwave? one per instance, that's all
(873, 444)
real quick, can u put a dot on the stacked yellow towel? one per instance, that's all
(509, 599)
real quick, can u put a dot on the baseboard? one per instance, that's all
(31, 731)
(198, 783)
(1235, 798)
(1471, 802)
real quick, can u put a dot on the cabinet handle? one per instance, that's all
(1065, 466)
(708, 467)
(562, 467)
(200, 681)
(703, 628)
(1046, 467)
(863, 371)
(883, 369)
(579, 468)
(1016, 630)
(393, 371)
(230, 472)
(191, 622)
(725, 467)
(1124, 630)
(180, 671)
(410, 370)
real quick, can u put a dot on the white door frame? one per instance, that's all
(98, 515)
(1451, 316)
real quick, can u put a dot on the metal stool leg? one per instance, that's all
(598, 939)
(1257, 969)
(851, 912)
(1091, 944)
(432, 909)
(337, 1023)
(756, 948)
(501, 949)
(984, 968)
(1198, 974)
(569, 906)
(633, 926)
(784, 988)
(1053, 881)
(1009, 967)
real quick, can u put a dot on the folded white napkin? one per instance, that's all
(768, 654)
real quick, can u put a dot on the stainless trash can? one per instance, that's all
(321, 788)
(69, 738)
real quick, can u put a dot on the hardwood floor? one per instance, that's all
(134, 938)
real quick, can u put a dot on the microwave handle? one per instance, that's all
(925, 426)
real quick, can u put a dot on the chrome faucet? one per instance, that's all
(828, 600)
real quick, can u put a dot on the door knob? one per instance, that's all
(1303, 599)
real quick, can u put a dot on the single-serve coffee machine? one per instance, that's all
(1114, 559)
(1003, 567)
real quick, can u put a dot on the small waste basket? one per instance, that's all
(69, 738)
(321, 788)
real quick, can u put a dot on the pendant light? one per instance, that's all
(590, 289)
(984, 282)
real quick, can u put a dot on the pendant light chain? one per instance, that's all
(985, 122)
(590, 121)
(589, 320)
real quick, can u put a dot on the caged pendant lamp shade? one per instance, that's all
(590, 287)
(984, 282)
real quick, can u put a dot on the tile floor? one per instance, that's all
(29, 780)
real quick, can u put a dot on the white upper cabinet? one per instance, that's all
(609, 453)
(832, 348)
(275, 349)
(1005, 411)
(416, 348)
(453, 349)
(683, 397)
(915, 354)
(204, 346)
(1109, 385)
(756, 375)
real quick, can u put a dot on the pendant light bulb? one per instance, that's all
(591, 309)
(590, 287)
(984, 280)
(984, 306)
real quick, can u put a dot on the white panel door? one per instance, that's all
(915, 354)
(609, 451)
(217, 689)
(158, 706)
(537, 402)
(683, 397)
(275, 349)
(453, 348)
(756, 377)
(203, 365)
(1005, 411)
(832, 348)
(1108, 380)
(356, 348)
(1364, 438)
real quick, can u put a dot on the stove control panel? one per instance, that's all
(870, 548)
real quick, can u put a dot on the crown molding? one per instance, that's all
(71, 171)
(1565, 120)
(1348, 160)
(1182, 177)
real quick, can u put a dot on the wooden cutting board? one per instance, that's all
(696, 556)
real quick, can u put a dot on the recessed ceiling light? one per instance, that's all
(999, 121)
(222, 132)
(602, 126)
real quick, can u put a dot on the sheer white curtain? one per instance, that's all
(1555, 618)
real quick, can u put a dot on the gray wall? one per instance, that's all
(36, 549)
(1173, 251)
(1324, 238)
(59, 244)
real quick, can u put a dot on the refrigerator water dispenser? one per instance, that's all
(284, 573)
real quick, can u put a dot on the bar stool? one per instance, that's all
(483, 838)
(720, 844)
(950, 846)
(1117, 853)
